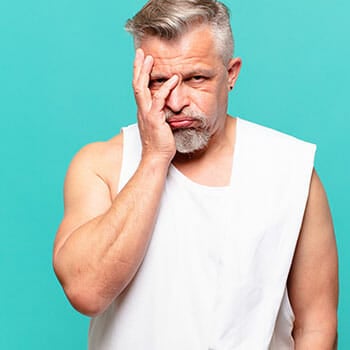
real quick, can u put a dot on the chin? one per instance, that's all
(191, 140)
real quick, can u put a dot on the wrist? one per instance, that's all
(159, 159)
(158, 162)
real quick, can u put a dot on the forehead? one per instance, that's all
(195, 49)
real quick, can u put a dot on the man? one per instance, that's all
(193, 229)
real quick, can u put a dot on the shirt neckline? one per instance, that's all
(176, 173)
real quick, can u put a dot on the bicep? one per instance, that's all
(313, 279)
(86, 196)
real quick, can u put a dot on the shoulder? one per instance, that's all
(98, 151)
(317, 210)
(97, 154)
(101, 159)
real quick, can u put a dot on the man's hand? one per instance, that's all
(156, 135)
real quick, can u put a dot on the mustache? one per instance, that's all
(189, 113)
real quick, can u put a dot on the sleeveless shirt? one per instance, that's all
(214, 275)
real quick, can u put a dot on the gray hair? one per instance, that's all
(170, 19)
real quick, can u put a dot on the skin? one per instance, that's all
(313, 279)
(104, 234)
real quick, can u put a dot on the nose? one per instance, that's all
(178, 98)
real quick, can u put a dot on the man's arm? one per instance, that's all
(313, 280)
(102, 240)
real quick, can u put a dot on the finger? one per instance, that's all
(145, 72)
(162, 94)
(138, 61)
(141, 89)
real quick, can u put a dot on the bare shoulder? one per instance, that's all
(102, 159)
(317, 223)
(316, 245)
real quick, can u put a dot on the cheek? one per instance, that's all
(216, 100)
(206, 97)
(206, 102)
(211, 99)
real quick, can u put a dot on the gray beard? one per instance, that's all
(189, 140)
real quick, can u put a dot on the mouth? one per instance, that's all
(181, 123)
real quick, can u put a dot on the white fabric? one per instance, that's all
(214, 276)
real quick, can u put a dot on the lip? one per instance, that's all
(177, 123)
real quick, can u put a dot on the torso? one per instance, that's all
(246, 253)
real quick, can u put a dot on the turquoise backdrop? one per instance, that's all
(65, 81)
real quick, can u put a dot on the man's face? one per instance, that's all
(196, 107)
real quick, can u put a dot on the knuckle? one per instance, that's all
(137, 90)
(159, 95)
(156, 96)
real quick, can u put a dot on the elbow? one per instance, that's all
(321, 334)
(83, 296)
(86, 300)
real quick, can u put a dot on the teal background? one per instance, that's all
(65, 81)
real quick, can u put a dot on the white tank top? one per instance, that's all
(214, 276)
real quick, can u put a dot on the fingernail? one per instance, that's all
(138, 53)
(148, 59)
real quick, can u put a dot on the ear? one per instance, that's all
(233, 68)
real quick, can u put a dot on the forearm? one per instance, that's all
(99, 259)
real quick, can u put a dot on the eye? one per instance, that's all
(198, 78)
(156, 83)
